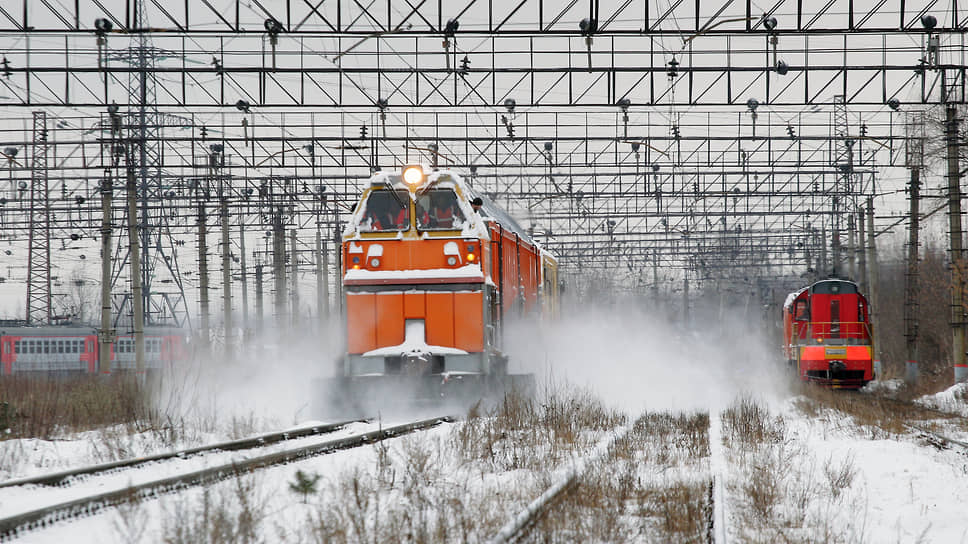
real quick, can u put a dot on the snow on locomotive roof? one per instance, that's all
(793, 296)
(491, 209)
(445, 178)
(468, 271)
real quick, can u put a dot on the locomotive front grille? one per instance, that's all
(851, 375)
(396, 364)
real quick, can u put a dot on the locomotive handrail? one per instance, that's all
(819, 332)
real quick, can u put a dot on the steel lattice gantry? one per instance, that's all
(344, 55)
(700, 136)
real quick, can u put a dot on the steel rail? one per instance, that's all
(521, 523)
(943, 439)
(65, 477)
(12, 526)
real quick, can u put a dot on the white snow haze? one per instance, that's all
(638, 359)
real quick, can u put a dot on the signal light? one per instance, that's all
(356, 267)
(471, 257)
(413, 175)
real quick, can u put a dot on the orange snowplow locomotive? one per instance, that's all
(429, 283)
(828, 336)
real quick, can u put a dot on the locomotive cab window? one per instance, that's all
(833, 287)
(800, 311)
(438, 209)
(386, 211)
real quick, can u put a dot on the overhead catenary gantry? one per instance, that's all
(349, 55)
(703, 135)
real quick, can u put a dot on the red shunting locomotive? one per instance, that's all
(828, 335)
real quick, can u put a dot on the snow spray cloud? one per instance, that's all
(269, 380)
(638, 360)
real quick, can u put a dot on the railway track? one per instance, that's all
(519, 526)
(917, 407)
(939, 441)
(68, 477)
(15, 525)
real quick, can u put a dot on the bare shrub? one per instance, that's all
(840, 475)
(12, 454)
(673, 432)
(647, 488)
(747, 423)
(506, 437)
(763, 488)
(419, 506)
(46, 407)
(778, 490)
(683, 510)
(880, 415)
(221, 516)
(130, 520)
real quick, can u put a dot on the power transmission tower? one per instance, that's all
(38, 261)
(844, 163)
(144, 126)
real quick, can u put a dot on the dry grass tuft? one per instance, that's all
(688, 433)
(408, 500)
(683, 511)
(777, 490)
(840, 474)
(509, 435)
(881, 415)
(220, 516)
(653, 487)
(46, 407)
(747, 424)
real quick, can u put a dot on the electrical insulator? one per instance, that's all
(673, 68)
(363, 131)
(790, 131)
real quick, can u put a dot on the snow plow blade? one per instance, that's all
(388, 395)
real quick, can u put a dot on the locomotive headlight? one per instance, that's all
(375, 262)
(413, 175)
(451, 261)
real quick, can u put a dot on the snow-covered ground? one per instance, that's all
(841, 482)
(818, 476)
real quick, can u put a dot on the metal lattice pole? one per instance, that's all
(957, 251)
(38, 261)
